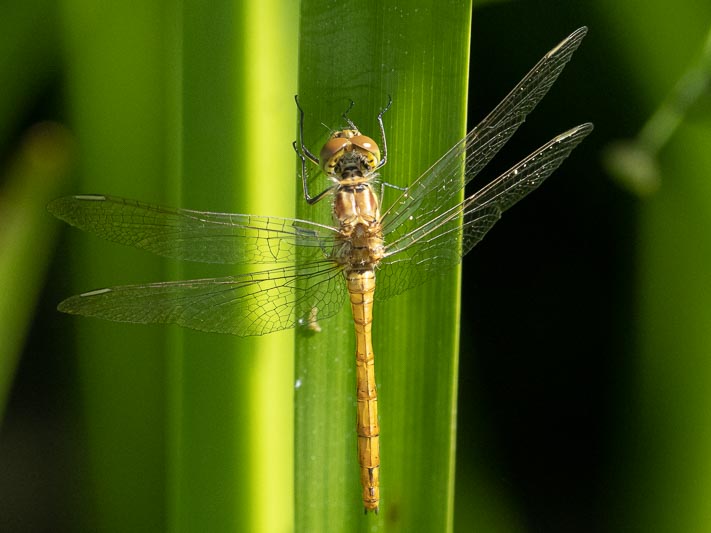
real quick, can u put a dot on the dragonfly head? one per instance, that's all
(347, 152)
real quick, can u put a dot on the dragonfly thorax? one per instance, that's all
(357, 211)
(362, 249)
(349, 155)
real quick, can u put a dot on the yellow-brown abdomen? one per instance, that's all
(361, 286)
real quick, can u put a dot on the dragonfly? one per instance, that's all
(312, 267)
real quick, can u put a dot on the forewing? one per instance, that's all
(440, 243)
(196, 235)
(433, 253)
(433, 192)
(250, 304)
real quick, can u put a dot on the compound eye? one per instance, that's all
(332, 152)
(369, 147)
(367, 144)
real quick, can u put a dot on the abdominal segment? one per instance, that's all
(361, 286)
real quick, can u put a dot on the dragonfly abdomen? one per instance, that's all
(361, 287)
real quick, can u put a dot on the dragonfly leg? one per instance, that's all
(384, 144)
(347, 118)
(304, 174)
(304, 154)
(304, 151)
(384, 184)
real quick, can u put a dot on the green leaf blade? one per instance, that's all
(418, 54)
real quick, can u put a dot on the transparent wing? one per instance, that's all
(433, 192)
(250, 304)
(436, 246)
(196, 235)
